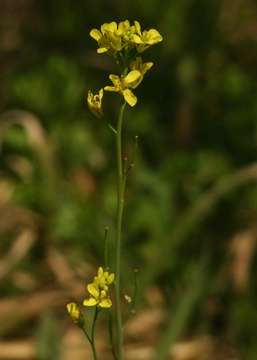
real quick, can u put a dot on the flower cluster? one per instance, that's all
(99, 296)
(99, 290)
(125, 42)
(114, 37)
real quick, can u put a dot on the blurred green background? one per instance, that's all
(190, 220)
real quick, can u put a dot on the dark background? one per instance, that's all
(190, 220)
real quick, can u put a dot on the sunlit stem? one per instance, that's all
(120, 207)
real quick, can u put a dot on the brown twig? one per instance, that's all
(17, 252)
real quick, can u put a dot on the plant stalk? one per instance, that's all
(120, 207)
(93, 335)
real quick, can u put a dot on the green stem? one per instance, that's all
(110, 326)
(91, 342)
(92, 339)
(120, 206)
(93, 335)
(87, 336)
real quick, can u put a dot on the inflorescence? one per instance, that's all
(125, 43)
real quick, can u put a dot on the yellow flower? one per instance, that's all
(123, 85)
(148, 37)
(103, 279)
(141, 67)
(134, 35)
(113, 37)
(128, 33)
(95, 102)
(108, 40)
(74, 312)
(98, 290)
(98, 297)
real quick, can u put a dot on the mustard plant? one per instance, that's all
(124, 43)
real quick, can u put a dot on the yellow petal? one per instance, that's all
(100, 271)
(132, 76)
(102, 50)
(90, 302)
(95, 34)
(116, 82)
(110, 279)
(93, 290)
(114, 79)
(123, 27)
(113, 26)
(138, 27)
(148, 65)
(105, 303)
(136, 39)
(153, 37)
(109, 27)
(90, 98)
(110, 88)
(101, 93)
(130, 98)
(104, 28)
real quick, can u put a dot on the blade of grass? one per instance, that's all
(181, 315)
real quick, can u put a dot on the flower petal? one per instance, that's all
(102, 50)
(110, 279)
(90, 302)
(136, 39)
(95, 34)
(123, 27)
(130, 98)
(138, 27)
(105, 303)
(93, 290)
(153, 37)
(111, 27)
(101, 93)
(132, 76)
(110, 88)
(147, 66)
(90, 97)
(100, 271)
(115, 79)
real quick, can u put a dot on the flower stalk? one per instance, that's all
(120, 208)
(125, 42)
(93, 334)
